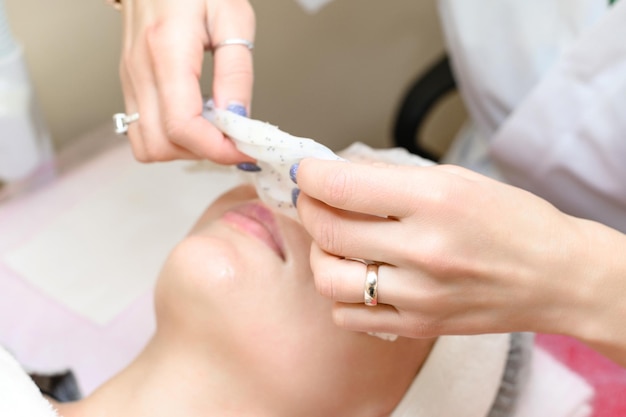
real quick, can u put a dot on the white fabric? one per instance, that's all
(462, 375)
(500, 49)
(19, 396)
(545, 86)
(359, 152)
(275, 151)
(567, 140)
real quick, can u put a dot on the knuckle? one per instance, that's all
(440, 197)
(176, 133)
(235, 70)
(159, 156)
(174, 129)
(338, 186)
(323, 226)
(137, 148)
(141, 157)
(423, 327)
(434, 256)
(158, 35)
(328, 236)
(157, 151)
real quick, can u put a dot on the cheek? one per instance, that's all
(196, 281)
(202, 265)
(226, 290)
(213, 284)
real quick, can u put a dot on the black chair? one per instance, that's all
(419, 101)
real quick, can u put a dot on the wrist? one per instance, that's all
(599, 320)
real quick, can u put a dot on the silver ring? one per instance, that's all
(235, 41)
(122, 120)
(370, 293)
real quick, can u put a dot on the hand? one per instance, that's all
(163, 47)
(461, 253)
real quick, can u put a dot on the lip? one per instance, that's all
(258, 221)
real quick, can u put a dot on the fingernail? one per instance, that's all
(293, 171)
(294, 196)
(249, 167)
(237, 108)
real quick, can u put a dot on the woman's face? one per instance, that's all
(240, 285)
(242, 265)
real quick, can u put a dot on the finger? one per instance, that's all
(379, 190)
(233, 65)
(177, 59)
(130, 106)
(343, 280)
(385, 319)
(146, 135)
(130, 102)
(381, 318)
(336, 278)
(349, 234)
(421, 324)
(148, 130)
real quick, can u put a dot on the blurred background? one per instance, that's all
(336, 75)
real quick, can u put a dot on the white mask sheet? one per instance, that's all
(275, 151)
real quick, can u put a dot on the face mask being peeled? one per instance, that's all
(275, 151)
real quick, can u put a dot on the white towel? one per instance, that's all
(462, 375)
(19, 396)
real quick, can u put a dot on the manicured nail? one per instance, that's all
(293, 171)
(238, 108)
(294, 196)
(249, 167)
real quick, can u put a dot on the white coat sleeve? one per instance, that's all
(566, 141)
